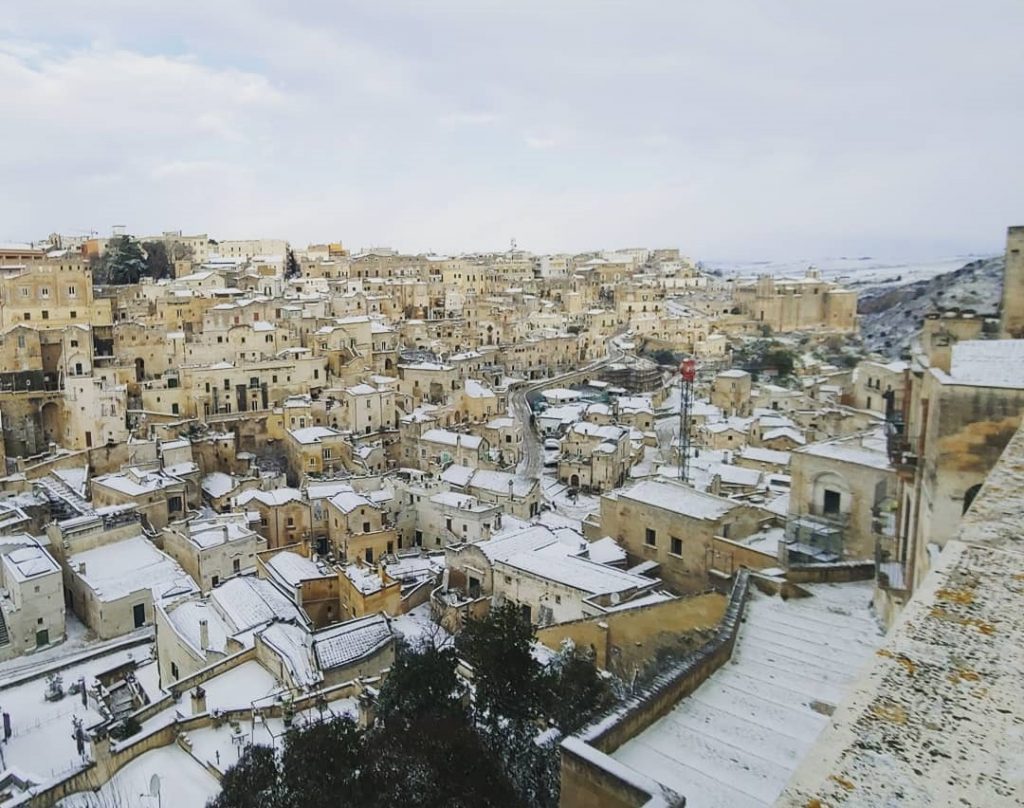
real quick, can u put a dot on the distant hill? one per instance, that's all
(891, 315)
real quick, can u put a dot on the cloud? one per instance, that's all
(457, 119)
(758, 128)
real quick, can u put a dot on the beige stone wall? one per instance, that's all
(686, 572)
(624, 641)
(1013, 285)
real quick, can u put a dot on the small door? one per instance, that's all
(139, 612)
(42, 638)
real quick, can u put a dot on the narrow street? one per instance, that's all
(531, 465)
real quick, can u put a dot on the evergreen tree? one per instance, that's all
(422, 682)
(158, 260)
(576, 691)
(122, 263)
(291, 265)
(506, 676)
(435, 760)
(321, 765)
(252, 782)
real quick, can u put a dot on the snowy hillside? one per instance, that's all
(892, 313)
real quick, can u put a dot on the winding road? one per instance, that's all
(531, 465)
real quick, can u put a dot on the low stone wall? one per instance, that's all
(111, 756)
(729, 556)
(621, 641)
(840, 573)
(417, 596)
(451, 617)
(183, 686)
(599, 781)
(590, 777)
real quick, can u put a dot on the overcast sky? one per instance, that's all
(730, 129)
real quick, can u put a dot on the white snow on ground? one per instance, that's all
(77, 639)
(418, 629)
(221, 746)
(238, 687)
(735, 742)
(556, 494)
(183, 783)
(850, 271)
(41, 744)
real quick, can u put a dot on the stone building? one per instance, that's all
(843, 497)
(879, 386)
(673, 527)
(730, 392)
(212, 550)
(797, 304)
(32, 612)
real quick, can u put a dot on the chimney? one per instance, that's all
(204, 634)
(198, 698)
(81, 568)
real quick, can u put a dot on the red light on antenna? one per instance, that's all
(688, 369)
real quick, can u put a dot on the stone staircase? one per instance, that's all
(65, 502)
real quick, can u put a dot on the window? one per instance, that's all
(28, 316)
(174, 671)
(74, 343)
(215, 580)
(558, 598)
(677, 546)
(174, 409)
(236, 566)
(46, 314)
(44, 292)
(291, 521)
(831, 503)
(312, 462)
(72, 291)
(227, 384)
(24, 290)
(650, 537)
(21, 340)
(74, 315)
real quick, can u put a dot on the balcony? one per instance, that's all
(890, 571)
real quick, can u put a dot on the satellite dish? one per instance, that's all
(154, 786)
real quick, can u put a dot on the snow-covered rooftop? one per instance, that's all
(293, 569)
(670, 495)
(866, 449)
(343, 644)
(120, 568)
(988, 363)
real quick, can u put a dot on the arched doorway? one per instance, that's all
(49, 420)
(574, 481)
